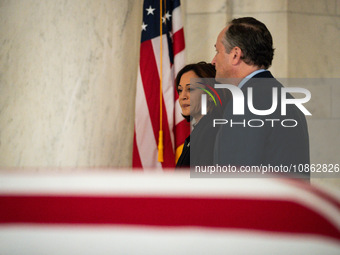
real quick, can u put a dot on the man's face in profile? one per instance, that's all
(222, 61)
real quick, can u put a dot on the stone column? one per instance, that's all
(314, 52)
(203, 22)
(67, 82)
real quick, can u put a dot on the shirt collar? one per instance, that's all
(240, 85)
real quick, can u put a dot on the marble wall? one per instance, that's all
(67, 82)
(203, 22)
(314, 52)
(205, 19)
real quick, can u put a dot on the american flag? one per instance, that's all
(160, 60)
(113, 212)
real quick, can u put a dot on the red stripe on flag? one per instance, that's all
(136, 162)
(250, 214)
(150, 79)
(176, 93)
(317, 192)
(181, 131)
(178, 41)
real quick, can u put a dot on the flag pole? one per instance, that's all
(160, 135)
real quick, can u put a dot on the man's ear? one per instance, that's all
(236, 54)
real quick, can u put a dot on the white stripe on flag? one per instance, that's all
(178, 113)
(179, 61)
(145, 138)
(176, 20)
(55, 240)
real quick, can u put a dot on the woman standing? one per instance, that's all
(199, 146)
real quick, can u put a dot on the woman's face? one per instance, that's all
(190, 96)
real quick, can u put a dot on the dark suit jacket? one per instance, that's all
(198, 148)
(265, 145)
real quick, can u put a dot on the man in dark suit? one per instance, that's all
(244, 52)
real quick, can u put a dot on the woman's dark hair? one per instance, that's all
(202, 70)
